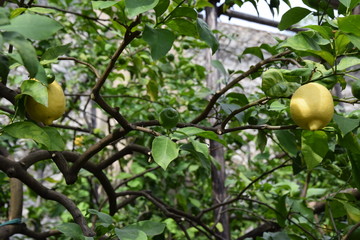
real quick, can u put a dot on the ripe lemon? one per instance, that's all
(312, 106)
(55, 108)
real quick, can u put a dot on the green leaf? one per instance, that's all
(36, 90)
(161, 7)
(276, 236)
(41, 75)
(4, 16)
(350, 24)
(71, 230)
(341, 43)
(353, 212)
(51, 54)
(201, 148)
(102, 4)
(151, 228)
(130, 234)
(354, 40)
(56, 142)
(350, 142)
(26, 51)
(204, 159)
(347, 62)
(306, 41)
(164, 151)
(314, 146)
(335, 208)
(350, 4)
(103, 217)
(256, 51)
(183, 27)
(261, 140)
(292, 16)
(33, 26)
(203, 3)
(324, 31)
(287, 141)
(316, 192)
(152, 90)
(277, 106)
(41, 10)
(219, 66)
(274, 84)
(136, 7)
(29, 130)
(16, 12)
(193, 131)
(184, 12)
(300, 210)
(281, 212)
(346, 125)
(207, 35)
(355, 167)
(186, 132)
(160, 41)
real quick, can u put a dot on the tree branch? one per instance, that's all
(239, 196)
(70, 12)
(7, 93)
(218, 94)
(80, 162)
(129, 37)
(16, 170)
(91, 67)
(231, 115)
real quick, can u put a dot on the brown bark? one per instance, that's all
(218, 176)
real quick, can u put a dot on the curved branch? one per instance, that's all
(9, 230)
(16, 170)
(218, 94)
(92, 68)
(238, 197)
(80, 162)
(72, 157)
(7, 93)
(128, 38)
(70, 12)
(123, 152)
(287, 217)
(260, 127)
(231, 115)
(169, 211)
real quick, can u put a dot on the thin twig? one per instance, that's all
(92, 68)
(70, 12)
(221, 92)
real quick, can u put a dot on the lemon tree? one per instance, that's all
(268, 149)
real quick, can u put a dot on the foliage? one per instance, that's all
(109, 170)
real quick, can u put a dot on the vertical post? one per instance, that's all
(218, 175)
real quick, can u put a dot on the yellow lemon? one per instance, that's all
(312, 106)
(55, 108)
(79, 140)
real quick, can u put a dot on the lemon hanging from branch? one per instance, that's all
(312, 106)
(55, 109)
(169, 117)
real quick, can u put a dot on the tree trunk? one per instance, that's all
(218, 176)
